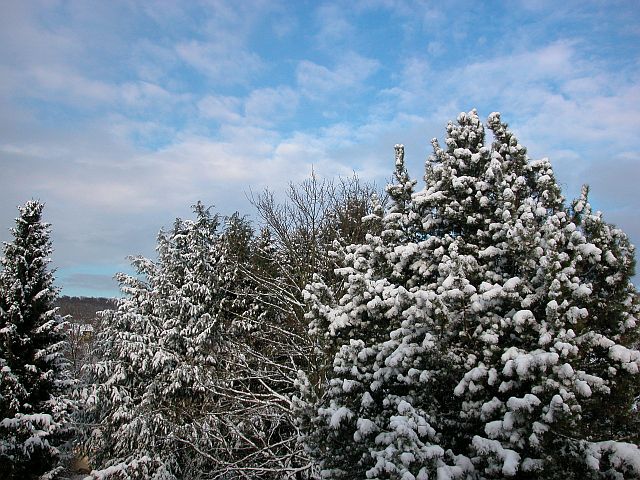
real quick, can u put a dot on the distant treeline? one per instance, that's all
(83, 309)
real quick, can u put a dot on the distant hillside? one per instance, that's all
(83, 309)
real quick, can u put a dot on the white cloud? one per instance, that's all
(34, 150)
(64, 85)
(267, 105)
(196, 160)
(262, 106)
(24, 41)
(221, 107)
(334, 27)
(145, 93)
(221, 62)
(350, 72)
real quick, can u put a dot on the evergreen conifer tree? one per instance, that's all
(488, 332)
(34, 379)
(186, 383)
(145, 412)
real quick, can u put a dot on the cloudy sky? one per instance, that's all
(121, 114)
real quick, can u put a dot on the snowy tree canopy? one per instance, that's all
(34, 380)
(186, 382)
(197, 370)
(488, 331)
(143, 395)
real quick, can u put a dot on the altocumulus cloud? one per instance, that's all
(121, 115)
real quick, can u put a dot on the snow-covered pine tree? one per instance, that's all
(146, 411)
(34, 379)
(488, 332)
(353, 332)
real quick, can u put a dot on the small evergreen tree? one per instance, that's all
(34, 378)
(488, 331)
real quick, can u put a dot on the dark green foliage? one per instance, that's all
(34, 411)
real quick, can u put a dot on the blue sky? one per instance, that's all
(120, 115)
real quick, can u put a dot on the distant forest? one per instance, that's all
(83, 309)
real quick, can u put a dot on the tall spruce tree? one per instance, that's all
(488, 331)
(145, 412)
(34, 379)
